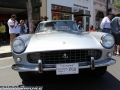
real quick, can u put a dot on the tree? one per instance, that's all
(117, 4)
(29, 11)
(32, 5)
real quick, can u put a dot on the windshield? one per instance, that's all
(58, 26)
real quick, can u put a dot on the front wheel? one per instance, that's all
(99, 71)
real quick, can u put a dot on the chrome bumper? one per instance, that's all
(39, 68)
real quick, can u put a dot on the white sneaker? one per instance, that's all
(117, 53)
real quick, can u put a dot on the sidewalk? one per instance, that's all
(5, 51)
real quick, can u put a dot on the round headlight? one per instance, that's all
(107, 41)
(18, 45)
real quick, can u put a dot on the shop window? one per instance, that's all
(61, 12)
(61, 16)
(81, 11)
(87, 12)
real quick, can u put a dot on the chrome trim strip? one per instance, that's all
(23, 68)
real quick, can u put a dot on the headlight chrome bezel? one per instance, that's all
(19, 52)
(104, 37)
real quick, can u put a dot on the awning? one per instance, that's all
(82, 15)
(18, 4)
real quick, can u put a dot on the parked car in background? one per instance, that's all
(58, 45)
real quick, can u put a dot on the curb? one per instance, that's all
(4, 55)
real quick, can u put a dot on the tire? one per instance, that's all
(99, 71)
(28, 76)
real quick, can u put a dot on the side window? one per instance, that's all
(75, 27)
(39, 27)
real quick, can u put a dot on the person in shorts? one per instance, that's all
(12, 24)
(115, 24)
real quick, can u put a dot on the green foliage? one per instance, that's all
(33, 2)
(117, 4)
(26, 0)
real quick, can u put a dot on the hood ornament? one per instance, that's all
(65, 56)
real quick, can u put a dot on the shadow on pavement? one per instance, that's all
(77, 82)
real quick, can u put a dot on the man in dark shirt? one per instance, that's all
(115, 24)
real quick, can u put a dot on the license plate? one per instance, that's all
(71, 68)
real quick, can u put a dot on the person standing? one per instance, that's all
(115, 24)
(45, 18)
(105, 23)
(12, 24)
(22, 27)
(91, 29)
(26, 27)
(35, 26)
(80, 25)
(3, 32)
(41, 19)
(7, 30)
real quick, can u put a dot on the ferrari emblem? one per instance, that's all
(65, 56)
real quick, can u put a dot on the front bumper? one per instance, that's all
(39, 67)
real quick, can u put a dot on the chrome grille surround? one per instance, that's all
(64, 56)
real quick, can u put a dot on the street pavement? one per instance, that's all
(110, 81)
(5, 49)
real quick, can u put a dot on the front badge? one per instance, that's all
(65, 56)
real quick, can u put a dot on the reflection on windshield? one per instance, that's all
(58, 26)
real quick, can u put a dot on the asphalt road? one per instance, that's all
(110, 81)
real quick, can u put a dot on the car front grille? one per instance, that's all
(64, 56)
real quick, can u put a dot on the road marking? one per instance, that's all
(5, 67)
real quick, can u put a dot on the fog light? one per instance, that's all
(109, 55)
(19, 59)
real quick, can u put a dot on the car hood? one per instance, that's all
(62, 41)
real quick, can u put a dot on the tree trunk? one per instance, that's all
(29, 11)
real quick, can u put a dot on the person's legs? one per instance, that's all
(115, 47)
(118, 43)
(0, 39)
(118, 49)
(4, 37)
(12, 36)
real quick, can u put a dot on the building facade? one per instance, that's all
(78, 10)
(99, 8)
(89, 12)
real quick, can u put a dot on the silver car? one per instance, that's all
(59, 46)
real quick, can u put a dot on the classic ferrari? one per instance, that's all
(60, 46)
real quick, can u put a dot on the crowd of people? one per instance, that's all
(80, 26)
(109, 24)
(112, 25)
(3, 32)
(16, 28)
